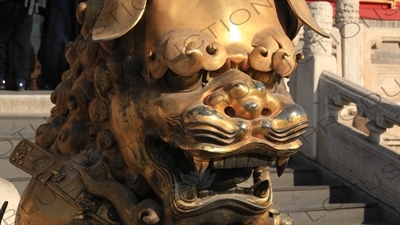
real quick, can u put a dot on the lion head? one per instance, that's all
(186, 101)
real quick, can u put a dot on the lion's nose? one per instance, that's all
(247, 99)
(237, 56)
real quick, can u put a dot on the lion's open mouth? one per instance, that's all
(235, 181)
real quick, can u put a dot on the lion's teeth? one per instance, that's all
(248, 191)
(261, 189)
(203, 193)
(218, 163)
(239, 190)
(243, 161)
(281, 164)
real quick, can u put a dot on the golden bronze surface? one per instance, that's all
(171, 113)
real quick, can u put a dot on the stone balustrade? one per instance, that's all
(362, 158)
(381, 113)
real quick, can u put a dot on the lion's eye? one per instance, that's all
(175, 82)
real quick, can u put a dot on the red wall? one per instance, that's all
(377, 11)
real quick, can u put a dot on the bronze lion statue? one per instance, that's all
(171, 113)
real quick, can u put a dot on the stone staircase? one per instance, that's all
(313, 195)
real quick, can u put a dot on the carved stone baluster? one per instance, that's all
(370, 106)
(336, 102)
(374, 132)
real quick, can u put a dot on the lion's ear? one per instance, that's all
(301, 10)
(116, 18)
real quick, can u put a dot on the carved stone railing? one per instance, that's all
(364, 160)
(381, 113)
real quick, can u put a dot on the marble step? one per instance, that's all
(25, 103)
(294, 176)
(303, 196)
(336, 214)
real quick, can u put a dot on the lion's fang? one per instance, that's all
(281, 164)
(200, 165)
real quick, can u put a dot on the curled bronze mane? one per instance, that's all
(171, 113)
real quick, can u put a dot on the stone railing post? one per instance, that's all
(352, 32)
(318, 57)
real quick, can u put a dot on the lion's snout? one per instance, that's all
(243, 97)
